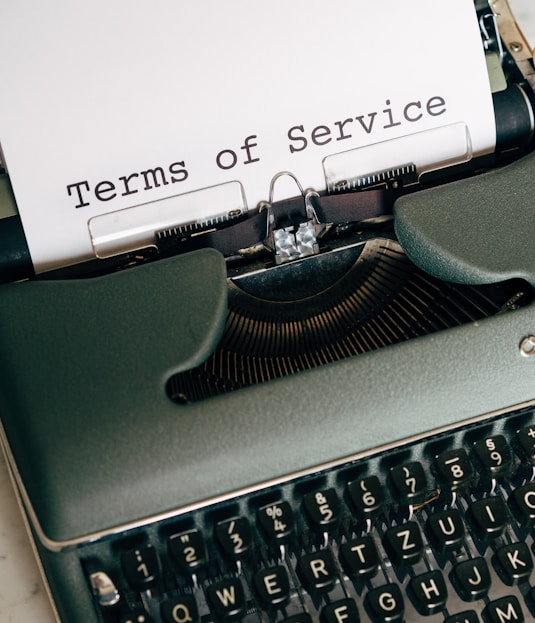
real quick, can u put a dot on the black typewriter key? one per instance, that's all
(489, 517)
(141, 567)
(366, 496)
(317, 571)
(385, 604)
(403, 543)
(445, 530)
(137, 616)
(468, 616)
(234, 537)
(227, 598)
(522, 503)
(180, 609)
(304, 617)
(277, 522)
(514, 563)
(525, 438)
(504, 610)
(360, 558)
(342, 611)
(471, 579)
(409, 482)
(322, 509)
(454, 469)
(428, 592)
(494, 456)
(272, 586)
(188, 550)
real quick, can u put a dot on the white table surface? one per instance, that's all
(22, 594)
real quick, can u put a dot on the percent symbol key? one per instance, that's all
(277, 522)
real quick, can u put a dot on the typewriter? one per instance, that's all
(323, 410)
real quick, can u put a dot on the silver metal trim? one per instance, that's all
(58, 546)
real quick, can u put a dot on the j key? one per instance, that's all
(322, 509)
(504, 609)
(141, 567)
(522, 503)
(277, 522)
(471, 579)
(227, 598)
(428, 592)
(137, 616)
(343, 611)
(445, 530)
(454, 469)
(514, 563)
(468, 616)
(272, 586)
(385, 604)
(494, 456)
(180, 609)
(489, 517)
(404, 544)
(317, 571)
(526, 444)
(360, 558)
(188, 550)
(234, 537)
(366, 496)
(409, 482)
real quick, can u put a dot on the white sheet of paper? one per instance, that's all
(96, 94)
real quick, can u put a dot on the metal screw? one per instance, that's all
(516, 46)
(527, 346)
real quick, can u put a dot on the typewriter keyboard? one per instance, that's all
(438, 530)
